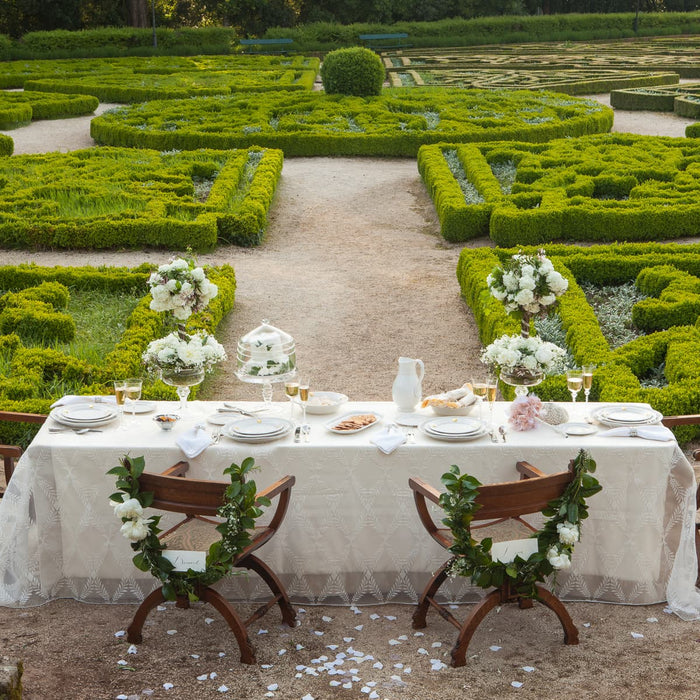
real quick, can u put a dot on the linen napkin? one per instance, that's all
(648, 432)
(389, 439)
(194, 441)
(72, 398)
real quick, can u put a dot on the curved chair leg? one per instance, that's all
(554, 604)
(429, 592)
(482, 609)
(133, 631)
(216, 600)
(289, 614)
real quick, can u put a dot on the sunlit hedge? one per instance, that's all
(20, 108)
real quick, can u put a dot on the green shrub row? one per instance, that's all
(27, 385)
(15, 74)
(609, 187)
(103, 198)
(619, 371)
(19, 108)
(684, 99)
(7, 145)
(396, 123)
(692, 131)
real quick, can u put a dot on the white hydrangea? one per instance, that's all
(532, 355)
(198, 351)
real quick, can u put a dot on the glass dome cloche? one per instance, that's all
(265, 355)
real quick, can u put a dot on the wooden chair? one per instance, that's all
(500, 503)
(11, 453)
(673, 422)
(196, 499)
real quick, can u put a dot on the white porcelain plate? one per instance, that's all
(324, 402)
(460, 437)
(578, 428)
(457, 425)
(140, 407)
(85, 412)
(336, 425)
(228, 431)
(258, 427)
(626, 414)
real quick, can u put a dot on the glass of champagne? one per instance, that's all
(120, 394)
(132, 394)
(292, 391)
(491, 389)
(303, 397)
(574, 382)
(480, 389)
(587, 379)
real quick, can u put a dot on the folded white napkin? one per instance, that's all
(72, 398)
(389, 439)
(648, 432)
(194, 441)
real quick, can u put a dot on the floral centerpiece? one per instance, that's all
(523, 357)
(200, 351)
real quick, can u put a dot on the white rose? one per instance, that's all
(568, 533)
(135, 530)
(558, 560)
(130, 508)
(524, 296)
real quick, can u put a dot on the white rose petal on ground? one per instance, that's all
(223, 689)
(423, 651)
(374, 616)
(668, 610)
(223, 653)
(586, 624)
(398, 665)
(651, 619)
(119, 634)
(436, 645)
(394, 642)
(318, 633)
(121, 662)
(347, 685)
(495, 647)
(528, 669)
(262, 631)
(408, 669)
(335, 684)
(133, 649)
(122, 697)
(281, 652)
(213, 675)
(419, 634)
(359, 628)
(209, 620)
(269, 695)
(168, 686)
(347, 640)
(203, 677)
(325, 618)
(636, 635)
(516, 684)
(172, 632)
(378, 665)
(374, 695)
(273, 686)
(390, 617)
(161, 608)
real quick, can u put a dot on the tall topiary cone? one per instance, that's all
(356, 71)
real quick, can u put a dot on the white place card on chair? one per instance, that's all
(183, 560)
(505, 552)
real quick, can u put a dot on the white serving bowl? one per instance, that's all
(447, 411)
(324, 402)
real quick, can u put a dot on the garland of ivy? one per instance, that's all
(239, 512)
(555, 540)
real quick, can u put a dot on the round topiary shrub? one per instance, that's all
(356, 71)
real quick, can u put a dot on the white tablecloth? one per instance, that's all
(352, 534)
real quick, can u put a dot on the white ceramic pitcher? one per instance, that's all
(407, 389)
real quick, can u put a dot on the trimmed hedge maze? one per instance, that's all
(670, 274)
(19, 108)
(568, 81)
(35, 375)
(612, 187)
(106, 198)
(7, 145)
(314, 124)
(684, 100)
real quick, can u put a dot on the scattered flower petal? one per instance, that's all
(374, 616)
(516, 684)
(347, 685)
(203, 677)
(335, 684)
(299, 647)
(168, 686)
(213, 675)
(318, 633)
(301, 610)
(161, 608)
(394, 642)
(121, 662)
(651, 619)
(359, 628)
(308, 696)
(528, 669)
(133, 649)
(423, 651)
(325, 618)
(398, 665)
(495, 647)
(273, 686)
(668, 610)
(636, 635)
(262, 631)
(171, 632)
(374, 695)
(408, 669)
(223, 653)
(121, 633)
(586, 624)
(390, 617)
(281, 652)
(209, 620)
(347, 640)
(223, 689)
(122, 697)
(436, 645)
(194, 656)
(419, 634)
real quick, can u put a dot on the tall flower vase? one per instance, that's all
(521, 380)
(182, 380)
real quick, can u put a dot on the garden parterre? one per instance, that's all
(684, 100)
(612, 187)
(396, 123)
(669, 274)
(106, 198)
(20, 108)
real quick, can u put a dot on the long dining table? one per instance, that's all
(352, 534)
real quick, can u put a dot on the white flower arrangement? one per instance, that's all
(527, 283)
(182, 288)
(183, 351)
(558, 559)
(525, 356)
(135, 527)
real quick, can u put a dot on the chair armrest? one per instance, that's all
(179, 469)
(22, 417)
(11, 451)
(527, 471)
(283, 489)
(421, 492)
(424, 489)
(672, 421)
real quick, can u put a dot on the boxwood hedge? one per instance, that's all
(681, 99)
(105, 198)
(692, 131)
(396, 123)
(611, 187)
(19, 108)
(619, 371)
(30, 372)
(7, 145)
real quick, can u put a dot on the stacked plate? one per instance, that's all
(84, 415)
(257, 429)
(626, 415)
(455, 429)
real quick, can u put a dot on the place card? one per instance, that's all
(183, 560)
(505, 552)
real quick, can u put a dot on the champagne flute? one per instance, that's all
(480, 389)
(587, 379)
(132, 394)
(491, 389)
(574, 382)
(292, 390)
(303, 397)
(120, 395)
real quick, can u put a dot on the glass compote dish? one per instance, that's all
(266, 355)
(183, 380)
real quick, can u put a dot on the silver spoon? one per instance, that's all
(77, 431)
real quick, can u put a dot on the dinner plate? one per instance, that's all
(89, 412)
(626, 414)
(140, 407)
(332, 425)
(578, 428)
(259, 427)
(458, 437)
(453, 426)
(324, 402)
(228, 432)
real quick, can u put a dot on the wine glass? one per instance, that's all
(132, 390)
(587, 379)
(491, 389)
(292, 390)
(574, 381)
(303, 397)
(120, 395)
(480, 389)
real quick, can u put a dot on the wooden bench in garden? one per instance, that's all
(265, 45)
(385, 41)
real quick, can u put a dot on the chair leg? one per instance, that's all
(429, 592)
(480, 611)
(133, 631)
(289, 614)
(216, 600)
(554, 604)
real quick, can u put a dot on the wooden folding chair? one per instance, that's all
(196, 499)
(11, 453)
(499, 503)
